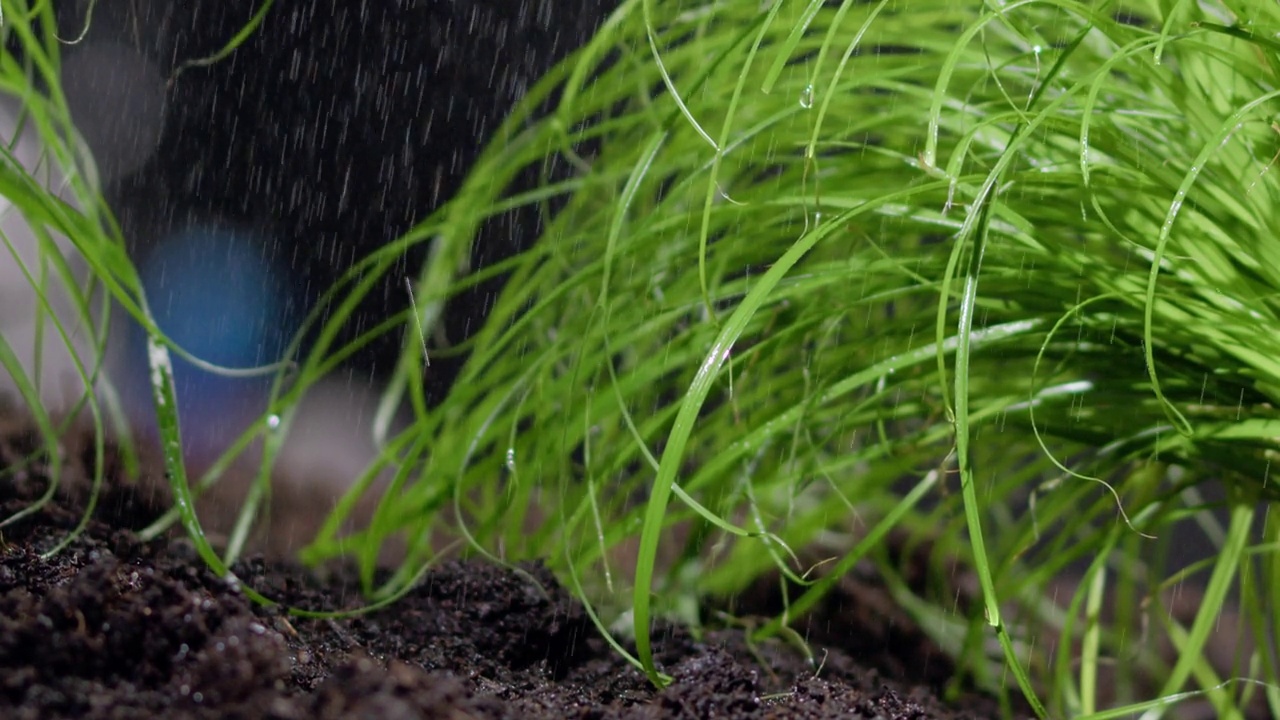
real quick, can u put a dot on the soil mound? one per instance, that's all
(112, 627)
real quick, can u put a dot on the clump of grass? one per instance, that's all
(998, 276)
(57, 231)
(69, 250)
(811, 252)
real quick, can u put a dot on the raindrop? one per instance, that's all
(806, 96)
(511, 459)
(273, 421)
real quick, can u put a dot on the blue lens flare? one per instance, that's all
(213, 292)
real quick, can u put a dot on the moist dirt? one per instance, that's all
(113, 627)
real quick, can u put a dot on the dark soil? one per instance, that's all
(116, 628)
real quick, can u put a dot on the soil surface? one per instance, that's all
(113, 627)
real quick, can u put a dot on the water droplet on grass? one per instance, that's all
(806, 97)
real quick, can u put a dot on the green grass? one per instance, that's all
(1001, 277)
(59, 200)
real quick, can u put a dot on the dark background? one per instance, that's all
(335, 128)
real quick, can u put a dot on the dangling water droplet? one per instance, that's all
(806, 97)
(273, 421)
(511, 459)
